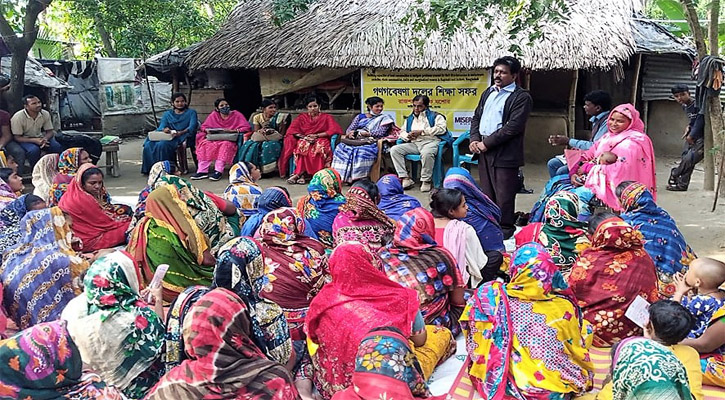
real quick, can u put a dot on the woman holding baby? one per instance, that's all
(624, 153)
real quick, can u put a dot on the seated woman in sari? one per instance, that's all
(360, 219)
(633, 153)
(662, 239)
(40, 275)
(68, 163)
(416, 261)
(483, 215)
(158, 171)
(42, 362)
(264, 145)
(358, 150)
(308, 139)
(223, 361)
(119, 336)
(398, 375)
(335, 333)
(320, 207)
(181, 123)
(11, 216)
(243, 189)
(11, 186)
(295, 266)
(222, 152)
(506, 324)
(43, 174)
(608, 277)
(271, 199)
(98, 223)
(393, 202)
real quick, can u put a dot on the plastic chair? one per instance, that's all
(446, 140)
(460, 159)
(333, 144)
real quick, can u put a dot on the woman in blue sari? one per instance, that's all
(393, 202)
(181, 122)
(271, 199)
(483, 214)
(355, 156)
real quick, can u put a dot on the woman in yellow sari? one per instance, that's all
(527, 339)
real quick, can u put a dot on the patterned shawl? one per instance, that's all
(562, 229)
(240, 268)
(321, 206)
(271, 199)
(415, 261)
(393, 201)
(357, 284)
(223, 362)
(295, 265)
(608, 276)
(483, 214)
(13, 212)
(68, 164)
(360, 220)
(158, 171)
(386, 368)
(646, 370)
(242, 190)
(663, 240)
(44, 173)
(174, 353)
(118, 334)
(38, 274)
(7, 195)
(42, 362)
(516, 330)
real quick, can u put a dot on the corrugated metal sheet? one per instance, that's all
(661, 72)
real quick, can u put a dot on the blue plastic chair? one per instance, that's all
(460, 159)
(333, 144)
(446, 140)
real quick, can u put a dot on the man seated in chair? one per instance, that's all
(420, 135)
(32, 128)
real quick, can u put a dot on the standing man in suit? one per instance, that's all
(497, 136)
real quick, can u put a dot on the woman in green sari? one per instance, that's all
(263, 146)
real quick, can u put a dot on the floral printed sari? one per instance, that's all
(242, 190)
(361, 220)
(321, 206)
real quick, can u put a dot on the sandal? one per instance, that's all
(293, 179)
(301, 180)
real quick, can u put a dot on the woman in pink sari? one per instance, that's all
(308, 139)
(222, 120)
(624, 153)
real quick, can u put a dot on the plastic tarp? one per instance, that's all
(166, 61)
(81, 102)
(653, 38)
(112, 70)
(133, 97)
(35, 74)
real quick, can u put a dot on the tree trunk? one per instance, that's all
(105, 36)
(695, 27)
(715, 107)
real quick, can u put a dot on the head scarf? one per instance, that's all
(7, 194)
(562, 228)
(506, 324)
(644, 369)
(393, 201)
(97, 223)
(295, 265)
(68, 164)
(321, 206)
(271, 199)
(361, 220)
(44, 172)
(38, 273)
(174, 353)
(483, 214)
(357, 284)
(608, 276)
(242, 190)
(42, 362)
(662, 239)
(118, 334)
(415, 230)
(223, 361)
(240, 268)
(386, 367)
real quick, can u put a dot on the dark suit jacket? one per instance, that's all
(505, 147)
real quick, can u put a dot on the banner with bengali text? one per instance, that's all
(454, 94)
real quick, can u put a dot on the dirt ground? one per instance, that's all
(704, 230)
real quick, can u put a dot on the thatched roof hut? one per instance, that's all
(361, 33)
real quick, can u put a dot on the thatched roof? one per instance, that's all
(364, 33)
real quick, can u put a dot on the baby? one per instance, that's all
(705, 277)
(607, 158)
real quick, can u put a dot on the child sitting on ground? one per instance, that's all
(705, 276)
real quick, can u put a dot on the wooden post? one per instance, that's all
(174, 81)
(635, 82)
(645, 111)
(571, 112)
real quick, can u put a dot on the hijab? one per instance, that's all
(44, 173)
(320, 207)
(561, 228)
(393, 201)
(271, 199)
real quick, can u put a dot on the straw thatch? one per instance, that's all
(365, 33)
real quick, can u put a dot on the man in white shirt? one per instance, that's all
(32, 128)
(421, 135)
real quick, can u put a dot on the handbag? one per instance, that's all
(160, 136)
(218, 135)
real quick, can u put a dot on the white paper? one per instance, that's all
(638, 312)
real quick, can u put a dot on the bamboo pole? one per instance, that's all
(571, 112)
(635, 82)
(645, 112)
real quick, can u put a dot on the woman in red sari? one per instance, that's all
(609, 275)
(97, 222)
(308, 139)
